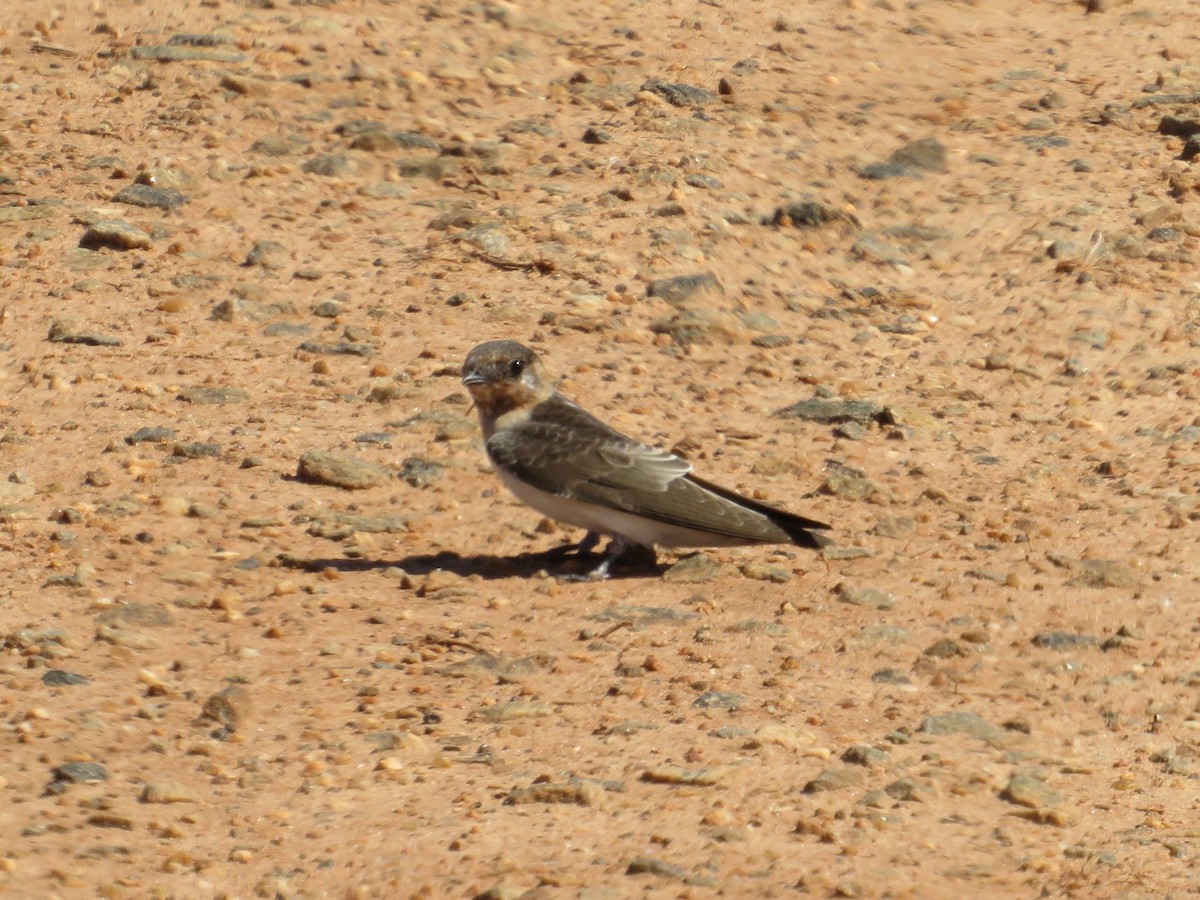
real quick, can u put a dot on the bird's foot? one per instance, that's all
(582, 548)
(618, 548)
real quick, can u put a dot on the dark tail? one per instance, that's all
(797, 528)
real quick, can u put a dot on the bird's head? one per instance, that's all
(503, 376)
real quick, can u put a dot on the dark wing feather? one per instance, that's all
(563, 450)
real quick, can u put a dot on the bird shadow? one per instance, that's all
(486, 566)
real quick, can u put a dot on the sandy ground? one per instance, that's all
(235, 234)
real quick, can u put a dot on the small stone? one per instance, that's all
(420, 472)
(967, 723)
(1028, 788)
(914, 158)
(64, 331)
(870, 597)
(169, 792)
(213, 395)
(512, 710)
(150, 434)
(828, 412)
(581, 793)
(80, 773)
(116, 235)
(267, 255)
(696, 568)
(341, 471)
(682, 289)
(865, 755)
(150, 197)
(679, 94)
(60, 678)
(145, 615)
(230, 706)
(1064, 640)
(834, 779)
(765, 572)
(719, 700)
(677, 775)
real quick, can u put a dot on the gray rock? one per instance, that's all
(812, 214)
(865, 755)
(869, 597)
(1064, 640)
(341, 471)
(682, 288)
(230, 707)
(149, 196)
(696, 568)
(836, 778)
(60, 678)
(1027, 787)
(150, 435)
(151, 615)
(267, 255)
(213, 395)
(64, 331)
(420, 472)
(340, 348)
(330, 165)
(80, 773)
(911, 160)
(114, 234)
(174, 53)
(827, 412)
(719, 700)
(680, 94)
(967, 723)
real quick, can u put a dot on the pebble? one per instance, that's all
(828, 412)
(65, 331)
(420, 472)
(967, 723)
(145, 615)
(268, 255)
(678, 775)
(578, 793)
(696, 568)
(230, 707)
(61, 678)
(700, 326)
(1028, 788)
(116, 235)
(912, 160)
(213, 395)
(339, 348)
(513, 710)
(169, 792)
(719, 700)
(836, 778)
(172, 53)
(343, 472)
(870, 597)
(1064, 640)
(150, 197)
(682, 289)
(150, 434)
(679, 94)
(765, 572)
(79, 773)
(812, 214)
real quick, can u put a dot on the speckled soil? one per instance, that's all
(222, 680)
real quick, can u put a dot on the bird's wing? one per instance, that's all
(563, 450)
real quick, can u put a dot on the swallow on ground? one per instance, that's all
(571, 467)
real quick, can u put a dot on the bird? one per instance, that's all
(568, 465)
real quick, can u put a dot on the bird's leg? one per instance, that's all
(585, 545)
(616, 549)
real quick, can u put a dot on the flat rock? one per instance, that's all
(344, 472)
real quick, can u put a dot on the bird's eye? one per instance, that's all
(516, 367)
